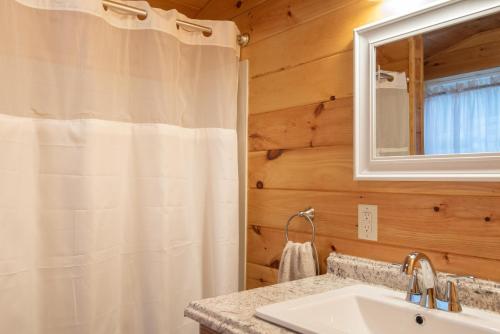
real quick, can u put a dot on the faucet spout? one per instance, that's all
(427, 293)
(412, 259)
(429, 279)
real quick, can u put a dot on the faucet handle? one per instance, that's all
(451, 297)
(451, 293)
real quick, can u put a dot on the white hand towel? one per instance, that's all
(297, 261)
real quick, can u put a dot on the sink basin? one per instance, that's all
(364, 309)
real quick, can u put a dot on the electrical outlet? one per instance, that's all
(367, 222)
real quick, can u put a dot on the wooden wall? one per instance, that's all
(300, 133)
(395, 56)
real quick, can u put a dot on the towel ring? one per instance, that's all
(308, 214)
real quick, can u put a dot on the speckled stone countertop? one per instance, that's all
(476, 293)
(234, 313)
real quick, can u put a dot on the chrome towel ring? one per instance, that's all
(308, 215)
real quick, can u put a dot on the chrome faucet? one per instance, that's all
(427, 293)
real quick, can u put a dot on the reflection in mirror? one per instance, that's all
(439, 92)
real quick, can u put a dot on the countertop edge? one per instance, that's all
(235, 313)
(220, 325)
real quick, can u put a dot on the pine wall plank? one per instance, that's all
(259, 275)
(275, 16)
(303, 43)
(439, 223)
(320, 124)
(330, 168)
(266, 245)
(309, 83)
(300, 141)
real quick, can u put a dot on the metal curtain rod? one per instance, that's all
(383, 75)
(143, 14)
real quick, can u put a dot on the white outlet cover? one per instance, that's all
(367, 222)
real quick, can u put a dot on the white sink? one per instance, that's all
(364, 309)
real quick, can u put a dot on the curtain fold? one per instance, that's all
(118, 169)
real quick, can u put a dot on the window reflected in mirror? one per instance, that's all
(439, 92)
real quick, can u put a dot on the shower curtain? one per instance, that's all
(393, 116)
(118, 168)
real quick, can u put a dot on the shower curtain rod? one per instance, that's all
(141, 13)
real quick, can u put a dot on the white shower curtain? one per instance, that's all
(393, 116)
(118, 168)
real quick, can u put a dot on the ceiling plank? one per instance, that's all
(180, 6)
(225, 10)
(441, 39)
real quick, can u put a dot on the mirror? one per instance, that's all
(427, 94)
(438, 92)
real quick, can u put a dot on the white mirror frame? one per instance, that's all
(367, 166)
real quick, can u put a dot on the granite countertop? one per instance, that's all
(234, 313)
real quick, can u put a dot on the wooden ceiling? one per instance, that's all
(190, 8)
(477, 36)
(441, 39)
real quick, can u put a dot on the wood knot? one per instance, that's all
(255, 136)
(260, 184)
(446, 257)
(274, 154)
(256, 229)
(275, 264)
(487, 219)
(319, 109)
